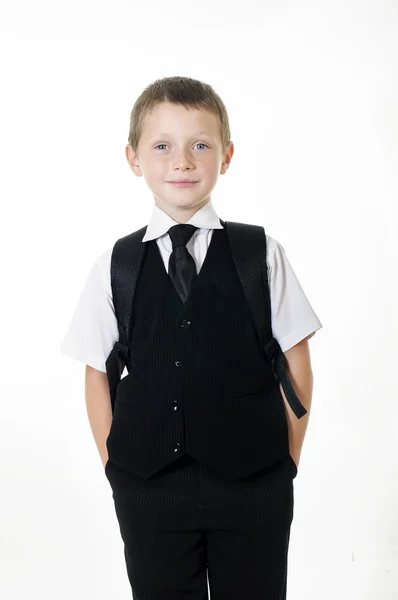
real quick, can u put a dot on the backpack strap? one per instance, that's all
(248, 245)
(126, 261)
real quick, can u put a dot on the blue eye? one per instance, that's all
(198, 144)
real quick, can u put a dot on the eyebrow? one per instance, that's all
(167, 134)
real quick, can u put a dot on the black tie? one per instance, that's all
(182, 268)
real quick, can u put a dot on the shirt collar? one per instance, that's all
(160, 222)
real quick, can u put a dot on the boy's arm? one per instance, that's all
(301, 377)
(99, 409)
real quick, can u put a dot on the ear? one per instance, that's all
(132, 159)
(227, 159)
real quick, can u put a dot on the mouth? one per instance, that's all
(183, 183)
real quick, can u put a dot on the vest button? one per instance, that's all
(176, 405)
(185, 323)
(178, 363)
(177, 447)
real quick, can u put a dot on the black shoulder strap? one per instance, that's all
(127, 258)
(249, 251)
(248, 245)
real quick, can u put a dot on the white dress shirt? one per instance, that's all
(93, 329)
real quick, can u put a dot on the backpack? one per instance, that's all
(248, 247)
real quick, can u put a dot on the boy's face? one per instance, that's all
(178, 143)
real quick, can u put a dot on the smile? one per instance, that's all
(183, 183)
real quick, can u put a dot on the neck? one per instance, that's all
(180, 214)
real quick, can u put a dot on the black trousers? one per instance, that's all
(187, 523)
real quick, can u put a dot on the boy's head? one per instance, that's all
(179, 129)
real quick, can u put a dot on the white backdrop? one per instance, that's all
(312, 93)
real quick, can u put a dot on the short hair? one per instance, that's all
(178, 90)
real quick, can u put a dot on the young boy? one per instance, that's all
(195, 450)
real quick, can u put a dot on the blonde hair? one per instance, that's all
(178, 90)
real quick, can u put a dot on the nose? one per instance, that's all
(183, 162)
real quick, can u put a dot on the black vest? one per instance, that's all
(198, 382)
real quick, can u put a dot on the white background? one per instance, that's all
(312, 93)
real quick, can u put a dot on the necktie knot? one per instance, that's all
(181, 234)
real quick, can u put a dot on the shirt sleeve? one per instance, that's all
(93, 330)
(293, 317)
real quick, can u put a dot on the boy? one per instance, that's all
(195, 450)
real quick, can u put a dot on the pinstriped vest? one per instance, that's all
(199, 383)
